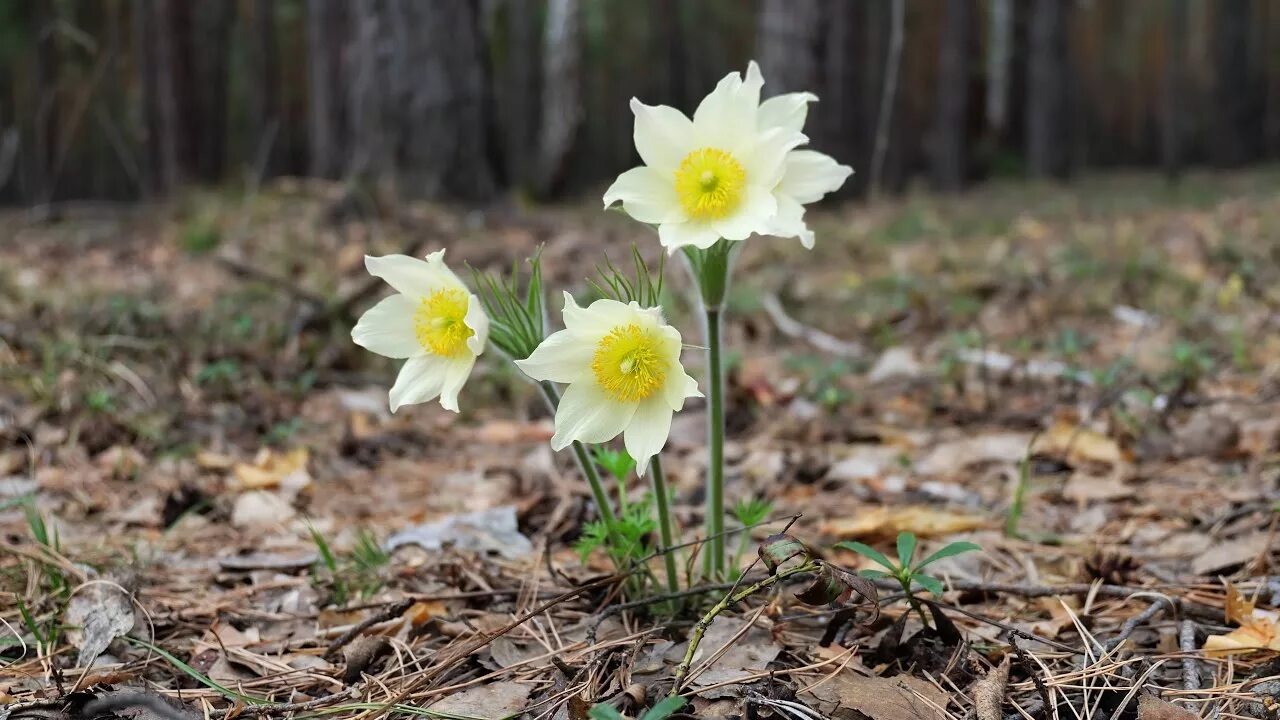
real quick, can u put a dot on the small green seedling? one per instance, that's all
(749, 513)
(905, 571)
(661, 711)
(617, 462)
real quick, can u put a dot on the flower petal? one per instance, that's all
(587, 414)
(412, 276)
(478, 321)
(766, 161)
(421, 379)
(456, 373)
(754, 215)
(564, 357)
(600, 317)
(678, 385)
(387, 328)
(647, 433)
(675, 235)
(789, 221)
(787, 111)
(726, 118)
(810, 175)
(663, 135)
(648, 195)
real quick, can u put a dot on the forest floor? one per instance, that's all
(199, 476)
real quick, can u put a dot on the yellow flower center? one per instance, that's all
(628, 363)
(709, 183)
(439, 322)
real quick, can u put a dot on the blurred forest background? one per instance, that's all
(471, 99)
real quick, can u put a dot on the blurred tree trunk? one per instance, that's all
(160, 171)
(999, 54)
(44, 127)
(264, 102)
(440, 86)
(1175, 94)
(326, 39)
(515, 77)
(888, 96)
(1048, 80)
(950, 131)
(1233, 89)
(208, 44)
(561, 97)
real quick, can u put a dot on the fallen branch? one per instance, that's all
(793, 328)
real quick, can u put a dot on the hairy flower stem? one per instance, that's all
(733, 598)
(711, 269)
(661, 496)
(715, 446)
(585, 464)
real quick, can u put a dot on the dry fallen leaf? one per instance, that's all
(1252, 636)
(271, 469)
(889, 521)
(1079, 446)
(98, 614)
(1151, 707)
(488, 702)
(848, 695)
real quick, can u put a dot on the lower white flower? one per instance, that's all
(433, 322)
(622, 366)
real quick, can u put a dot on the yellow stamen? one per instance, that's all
(628, 363)
(709, 183)
(439, 322)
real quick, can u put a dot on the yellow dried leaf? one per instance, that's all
(1238, 609)
(889, 521)
(1251, 637)
(270, 468)
(1079, 446)
(209, 460)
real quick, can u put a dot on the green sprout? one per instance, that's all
(517, 319)
(905, 571)
(749, 513)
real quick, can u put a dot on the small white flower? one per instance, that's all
(432, 321)
(710, 177)
(808, 174)
(622, 365)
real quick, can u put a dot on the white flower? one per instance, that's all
(622, 365)
(710, 177)
(808, 174)
(432, 321)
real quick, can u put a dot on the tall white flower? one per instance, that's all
(432, 321)
(710, 177)
(622, 366)
(807, 175)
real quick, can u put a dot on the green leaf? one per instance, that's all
(617, 462)
(932, 584)
(752, 511)
(906, 548)
(664, 709)
(954, 548)
(196, 674)
(605, 712)
(867, 550)
(875, 574)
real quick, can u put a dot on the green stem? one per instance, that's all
(733, 598)
(665, 526)
(585, 464)
(715, 446)
(913, 602)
